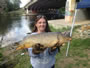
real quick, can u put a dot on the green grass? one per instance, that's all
(23, 62)
(78, 56)
(59, 30)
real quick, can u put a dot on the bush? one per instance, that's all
(1, 55)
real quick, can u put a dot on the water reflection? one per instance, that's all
(13, 29)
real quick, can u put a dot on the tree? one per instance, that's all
(2, 5)
(16, 4)
(10, 5)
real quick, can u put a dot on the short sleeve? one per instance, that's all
(53, 53)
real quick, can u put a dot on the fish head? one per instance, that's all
(64, 39)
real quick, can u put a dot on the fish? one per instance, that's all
(46, 39)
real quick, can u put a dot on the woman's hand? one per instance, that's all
(53, 48)
(38, 48)
(35, 51)
(57, 46)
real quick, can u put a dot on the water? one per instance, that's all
(13, 29)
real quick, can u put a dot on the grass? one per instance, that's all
(23, 62)
(59, 30)
(78, 56)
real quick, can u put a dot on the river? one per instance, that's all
(13, 29)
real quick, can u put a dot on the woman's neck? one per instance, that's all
(40, 31)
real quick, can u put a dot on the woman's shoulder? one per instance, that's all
(34, 33)
(31, 33)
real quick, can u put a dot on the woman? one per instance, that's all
(45, 58)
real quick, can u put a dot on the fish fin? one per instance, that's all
(18, 48)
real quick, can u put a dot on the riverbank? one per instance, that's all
(13, 13)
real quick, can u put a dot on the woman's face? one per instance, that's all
(41, 25)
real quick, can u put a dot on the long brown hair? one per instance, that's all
(47, 29)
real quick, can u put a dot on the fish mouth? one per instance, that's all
(63, 44)
(70, 39)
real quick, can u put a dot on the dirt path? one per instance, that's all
(59, 23)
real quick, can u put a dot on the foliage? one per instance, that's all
(10, 5)
(62, 10)
(14, 5)
(1, 55)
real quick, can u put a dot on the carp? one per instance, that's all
(46, 39)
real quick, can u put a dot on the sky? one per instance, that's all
(24, 2)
